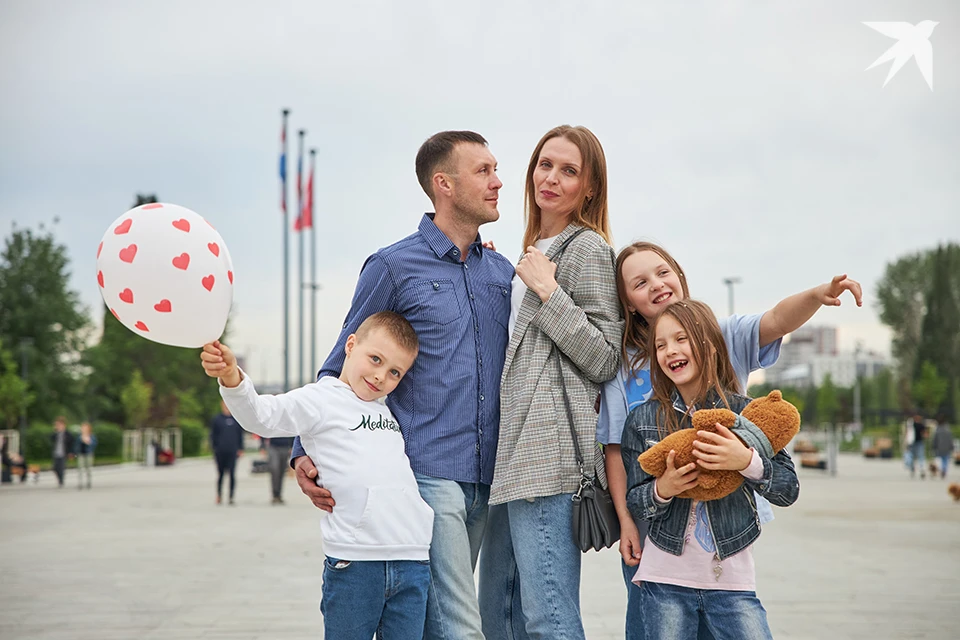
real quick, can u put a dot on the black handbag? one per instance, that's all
(595, 521)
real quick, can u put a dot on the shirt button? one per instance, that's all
(471, 296)
(481, 398)
(478, 447)
(436, 285)
(466, 266)
(456, 252)
(503, 291)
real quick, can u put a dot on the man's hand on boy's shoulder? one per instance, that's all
(306, 474)
(219, 362)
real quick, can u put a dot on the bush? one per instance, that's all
(109, 439)
(194, 436)
(37, 445)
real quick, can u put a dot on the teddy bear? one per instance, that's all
(775, 417)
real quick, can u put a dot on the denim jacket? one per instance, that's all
(734, 522)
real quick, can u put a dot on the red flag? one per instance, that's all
(307, 213)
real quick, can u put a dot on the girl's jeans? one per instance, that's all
(674, 613)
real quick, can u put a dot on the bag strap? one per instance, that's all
(566, 398)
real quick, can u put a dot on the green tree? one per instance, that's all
(828, 403)
(136, 398)
(15, 394)
(940, 329)
(40, 312)
(930, 389)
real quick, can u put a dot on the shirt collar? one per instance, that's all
(440, 243)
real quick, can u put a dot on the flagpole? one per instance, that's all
(301, 133)
(313, 271)
(286, 260)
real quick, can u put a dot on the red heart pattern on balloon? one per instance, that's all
(182, 224)
(123, 227)
(208, 282)
(230, 276)
(99, 249)
(182, 261)
(100, 278)
(154, 205)
(127, 296)
(141, 326)
(163, 306)
(128, 254)
(114, 313)
(214, 248)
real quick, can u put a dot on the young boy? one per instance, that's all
(377, 539)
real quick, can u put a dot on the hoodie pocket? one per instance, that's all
(395, 516)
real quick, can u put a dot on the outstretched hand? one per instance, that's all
(219, 362)
(829, 293)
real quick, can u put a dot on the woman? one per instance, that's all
(564, 309)
(84, 446)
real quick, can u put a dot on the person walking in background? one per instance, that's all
(278, 454)
(915, 433)
(226, 441)
(83, 448)
(943, 444)
(61, 442)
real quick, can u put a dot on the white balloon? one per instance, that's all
(166, 274)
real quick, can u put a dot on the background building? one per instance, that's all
(811, 354)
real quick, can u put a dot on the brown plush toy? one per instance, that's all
(778, 419)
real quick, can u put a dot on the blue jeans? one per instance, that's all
(529, 557)
(635, 626)
(917, 457)
(459, 519)
(944, 463)
(674, 613)
(366, 598)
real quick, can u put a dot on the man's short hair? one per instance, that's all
(437, 153)
(396, 326)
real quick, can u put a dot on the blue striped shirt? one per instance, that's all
(448, 404)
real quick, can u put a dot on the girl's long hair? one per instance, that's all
(709, 352)
(636, 331)
(591, 211)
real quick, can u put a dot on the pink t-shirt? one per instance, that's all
(698, 566)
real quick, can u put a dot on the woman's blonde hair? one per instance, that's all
(709, 352)
(591, 212)
(635, 330)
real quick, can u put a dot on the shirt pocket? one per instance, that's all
(437, 301)
(495, 302)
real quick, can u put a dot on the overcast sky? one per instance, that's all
(744, 136)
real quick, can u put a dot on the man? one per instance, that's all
(226, 441)
(456, 294)
(278, 452)
(61, 442)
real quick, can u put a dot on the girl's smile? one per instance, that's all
(650, 283)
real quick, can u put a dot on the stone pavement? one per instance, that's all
(146, 554)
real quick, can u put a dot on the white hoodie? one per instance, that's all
(358, 450)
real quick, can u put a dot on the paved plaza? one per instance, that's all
(146, 554)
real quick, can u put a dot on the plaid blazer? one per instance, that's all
(535, 455)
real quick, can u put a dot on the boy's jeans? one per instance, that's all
(459, 518)
(673, 613)
(529, 556)
(366, 598)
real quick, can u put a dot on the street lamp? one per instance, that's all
(730, 282)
